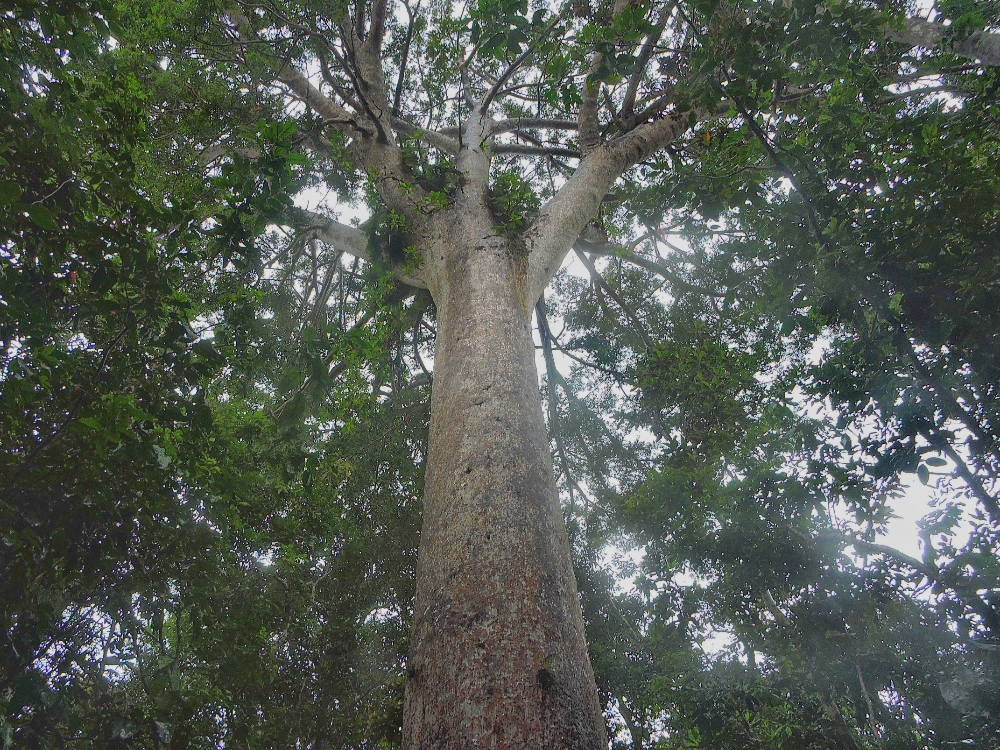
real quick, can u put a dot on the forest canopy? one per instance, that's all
(758, 248)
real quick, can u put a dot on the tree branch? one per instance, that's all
(650, 265)
(403, 58)
(376, 28)
(973, 482)
(967, 589)
(302, 87)
(344, 238)
(518, 124)
(637, 325)
(949, 404)
(589, 124)
(978, 45)
(217, 151)
(339, 236)
(433, 138)
(628, 103)
(553, 375)
(518, 62)
(564, 216)
(648, 138)
(526, 150)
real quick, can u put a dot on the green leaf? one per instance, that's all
(923, 474)
(10, 191)
(42, 216)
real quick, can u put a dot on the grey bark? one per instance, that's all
(982, 45)
(499, 655)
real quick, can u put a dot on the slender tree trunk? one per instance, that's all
(499, 656)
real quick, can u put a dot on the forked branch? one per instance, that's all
(564, 216)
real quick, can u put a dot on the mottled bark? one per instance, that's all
(499, 656)
(983, 45)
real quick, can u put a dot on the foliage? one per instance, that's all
(213, 424)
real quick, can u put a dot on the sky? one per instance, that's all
(901, 531)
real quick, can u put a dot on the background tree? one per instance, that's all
(202, 518)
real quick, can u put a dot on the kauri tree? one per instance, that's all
(789, 142)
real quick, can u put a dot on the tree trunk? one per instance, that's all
(498, 657)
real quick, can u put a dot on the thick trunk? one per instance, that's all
(498, 657)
